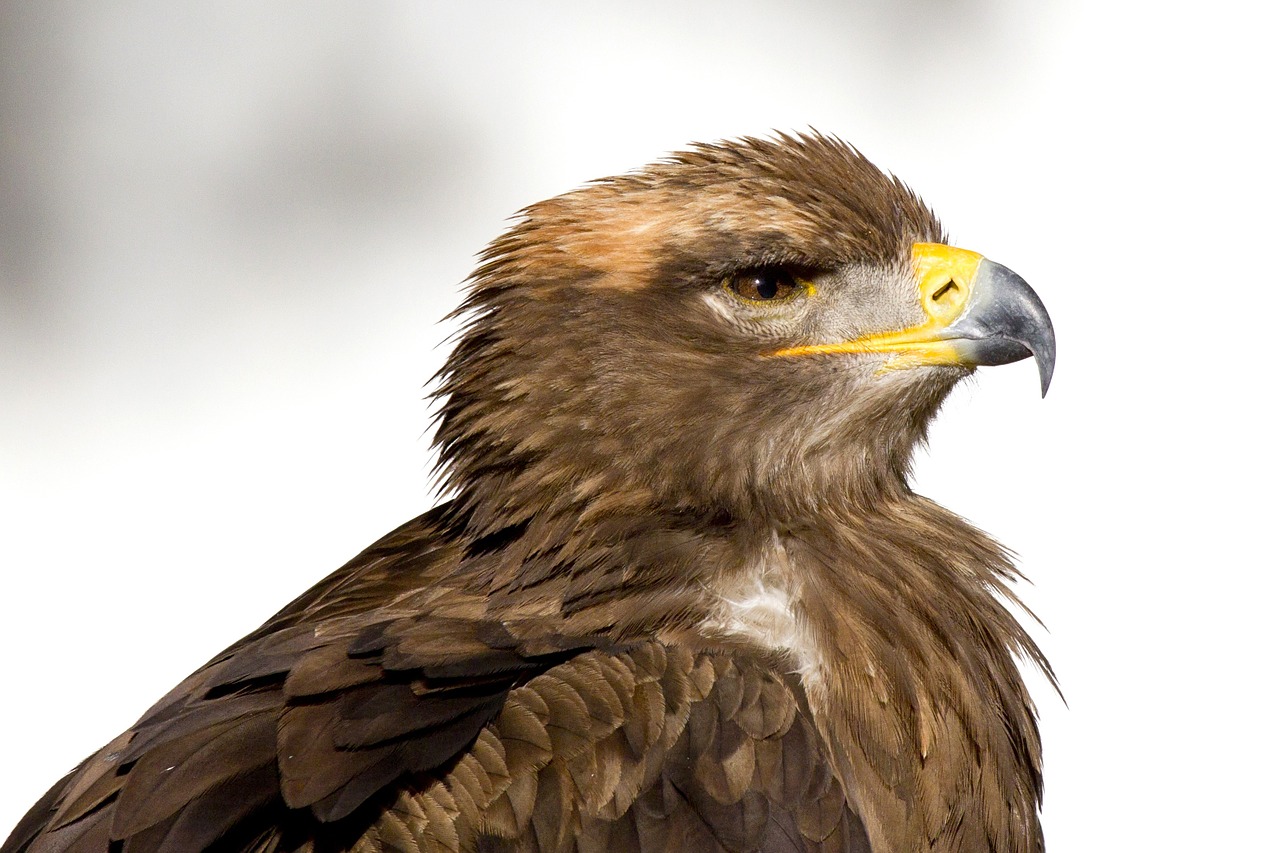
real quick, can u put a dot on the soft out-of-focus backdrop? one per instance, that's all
(228, 233)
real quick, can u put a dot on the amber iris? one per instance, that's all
(771, 284)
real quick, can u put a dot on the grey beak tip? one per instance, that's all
(1009, 308)
(1045, 359)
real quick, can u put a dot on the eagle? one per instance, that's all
(678, 593)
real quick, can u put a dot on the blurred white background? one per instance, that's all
(228, 232)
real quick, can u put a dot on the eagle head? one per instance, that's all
(762, 328)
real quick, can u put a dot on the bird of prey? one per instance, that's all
(680, 595)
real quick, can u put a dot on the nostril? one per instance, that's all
(945, 290)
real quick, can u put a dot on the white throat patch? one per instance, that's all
(759, 605)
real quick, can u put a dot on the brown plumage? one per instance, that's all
(681, 596)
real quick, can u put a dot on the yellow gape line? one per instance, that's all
(945, 277)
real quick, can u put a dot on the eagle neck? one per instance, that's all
(916, 687)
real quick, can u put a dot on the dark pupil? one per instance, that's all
(766, 287)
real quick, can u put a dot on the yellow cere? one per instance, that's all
(945, 275)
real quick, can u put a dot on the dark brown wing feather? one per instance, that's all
(360, 718)
(653, 748)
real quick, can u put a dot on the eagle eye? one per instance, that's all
(766, 284)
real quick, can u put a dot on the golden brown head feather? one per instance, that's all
(595, 369)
